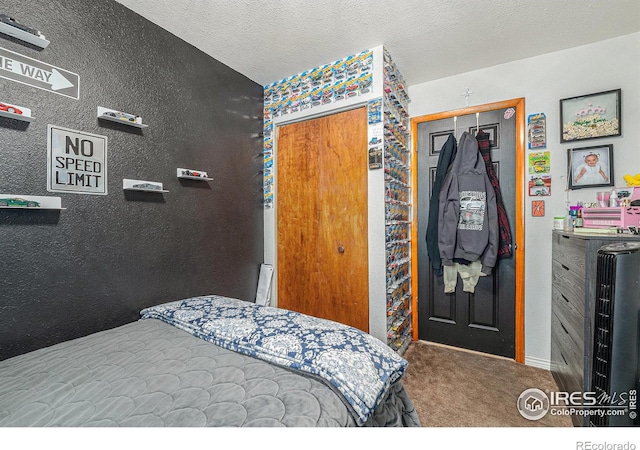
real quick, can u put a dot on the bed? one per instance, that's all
(210, 361)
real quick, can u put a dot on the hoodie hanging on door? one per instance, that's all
(468, 220)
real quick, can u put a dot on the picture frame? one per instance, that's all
(590, 167)
(591, 116)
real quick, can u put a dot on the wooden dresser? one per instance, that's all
(572, 294)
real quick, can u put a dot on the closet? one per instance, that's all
(322, 218)
(338, 197)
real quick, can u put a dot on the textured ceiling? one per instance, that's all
(428, 39)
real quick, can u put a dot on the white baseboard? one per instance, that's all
(537, 362)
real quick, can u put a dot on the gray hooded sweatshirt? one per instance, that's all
(468, 218)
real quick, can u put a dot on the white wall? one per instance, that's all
(543, 81)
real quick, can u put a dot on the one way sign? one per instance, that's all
(25, 70)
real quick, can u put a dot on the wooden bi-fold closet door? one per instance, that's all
(322, 249)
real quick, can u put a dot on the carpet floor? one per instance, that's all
(456, 388)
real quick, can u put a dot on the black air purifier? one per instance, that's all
(616, 336)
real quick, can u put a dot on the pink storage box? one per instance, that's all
(611, 217)
(614, 217)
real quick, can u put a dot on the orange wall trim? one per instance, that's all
(518, 105)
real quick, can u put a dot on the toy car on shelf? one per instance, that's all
(19, 202)
(11, 21)
(193, 173)
(147, 186)
(123, 116)
(11, 109)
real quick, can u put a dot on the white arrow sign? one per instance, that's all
(58, 81)
(20, 68)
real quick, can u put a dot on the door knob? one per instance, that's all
(340, 249)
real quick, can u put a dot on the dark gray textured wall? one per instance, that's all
(94, 265)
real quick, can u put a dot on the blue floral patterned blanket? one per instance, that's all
(359, 366)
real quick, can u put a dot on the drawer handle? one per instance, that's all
(565, 330)
(563, 358)
(566, 237)
(564, 267)
(565, 298)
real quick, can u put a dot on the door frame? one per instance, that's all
(518, 105)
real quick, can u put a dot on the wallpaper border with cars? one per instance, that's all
(331, 83)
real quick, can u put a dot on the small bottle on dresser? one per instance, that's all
(578, 222)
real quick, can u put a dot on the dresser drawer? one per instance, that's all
(572, 351)
(570, 321)
(569, 284)
(565, 375)
(570, 252)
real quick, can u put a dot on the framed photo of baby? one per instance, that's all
(590, 166)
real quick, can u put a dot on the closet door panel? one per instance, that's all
(322, 218)
(343, 250)
(297, 219)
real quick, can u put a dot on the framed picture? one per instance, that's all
(590, 116)
(590, 166)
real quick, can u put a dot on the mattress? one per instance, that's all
(153, 374)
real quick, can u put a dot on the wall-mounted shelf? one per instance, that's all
(114, 115)
(14, 29)
(142, 186)
(191, 174)
(15, 112)
(30, 202)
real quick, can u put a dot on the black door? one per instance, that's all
(484, 320)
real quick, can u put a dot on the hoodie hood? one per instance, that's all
(468, 159)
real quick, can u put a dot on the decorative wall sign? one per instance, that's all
(76, 161)
(537, 208)
(29, 71)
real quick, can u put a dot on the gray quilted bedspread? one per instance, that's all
(150, 374)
